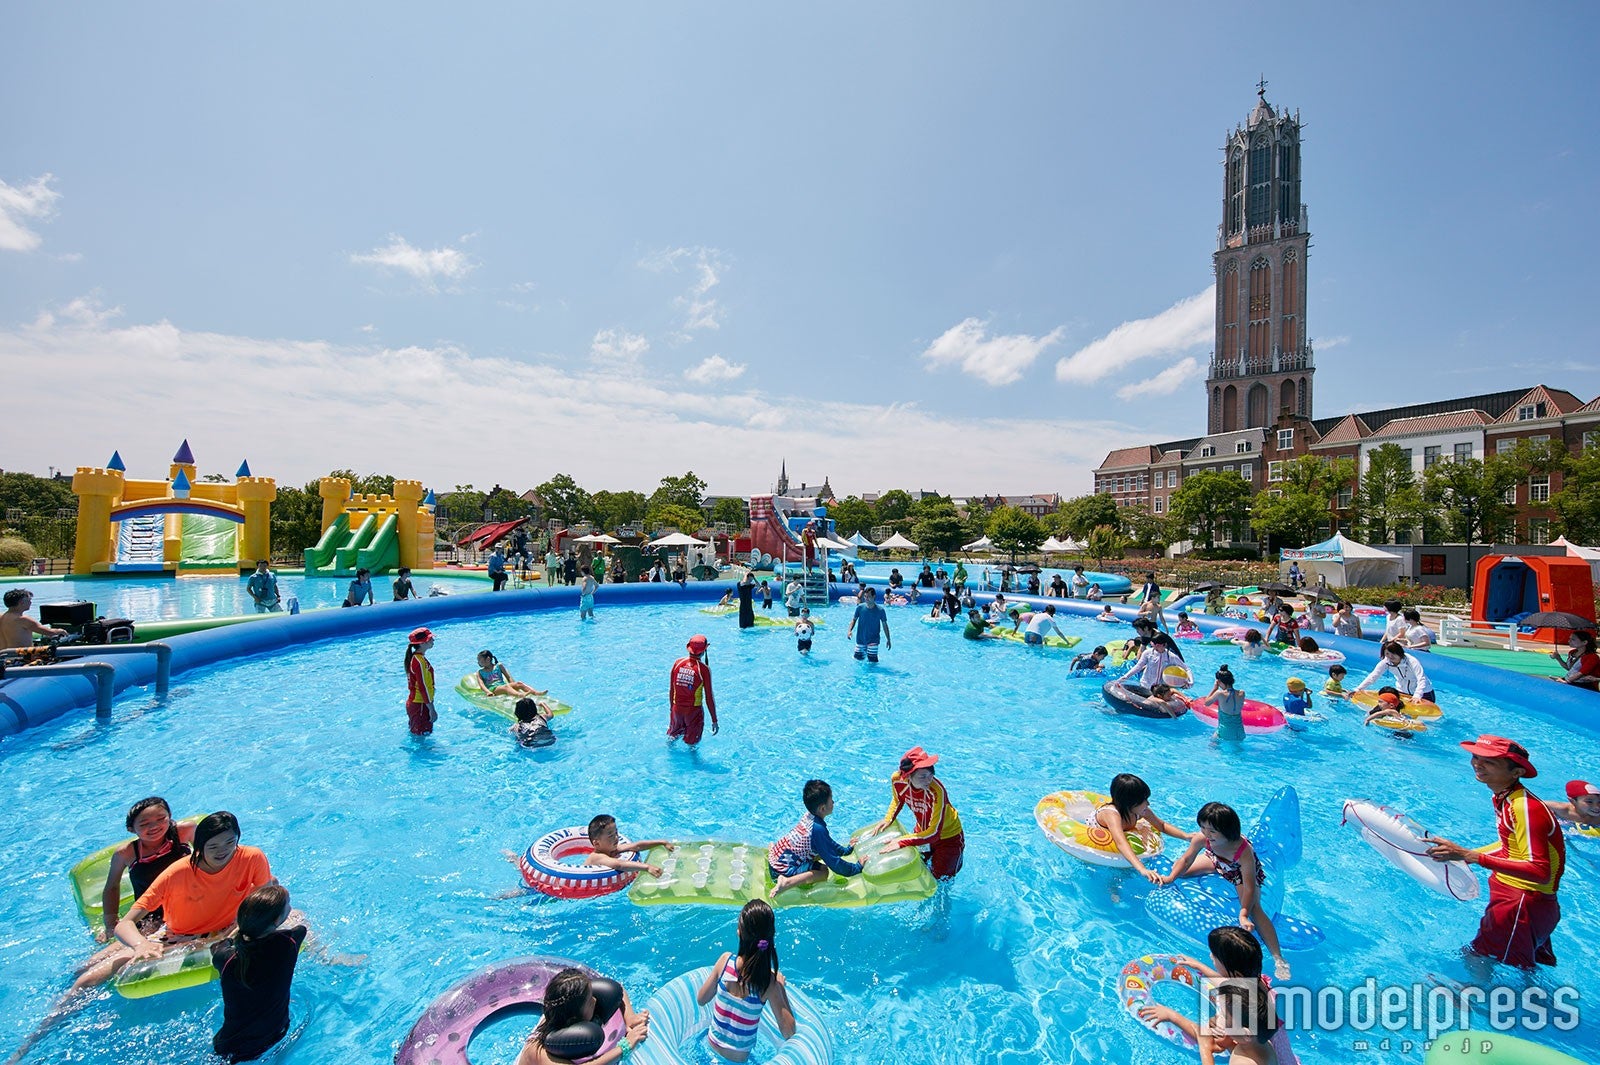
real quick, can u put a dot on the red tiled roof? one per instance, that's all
(1350, 429)
(1557, 401)
(1130, 456)
(1590, 407)
(1434, 423)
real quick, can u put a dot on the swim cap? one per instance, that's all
(1576, 789)
(1296, 684)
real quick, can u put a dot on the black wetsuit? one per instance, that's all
(255, 1007)
(142, 872)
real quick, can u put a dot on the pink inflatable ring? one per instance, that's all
(1260, 719)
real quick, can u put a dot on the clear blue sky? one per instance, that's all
(492, 242)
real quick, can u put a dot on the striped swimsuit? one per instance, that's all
(734, 1021)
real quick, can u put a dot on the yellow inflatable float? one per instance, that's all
(1067, 819)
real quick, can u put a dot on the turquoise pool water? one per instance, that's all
(168, 599)
(1110, 583)
(394, 846)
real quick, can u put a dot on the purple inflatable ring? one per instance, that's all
(445, 1029)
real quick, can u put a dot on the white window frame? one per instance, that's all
(1510, 495)
(1527, 412)
(1458, 456)
(1247, 470)
(1504, 444)
(1243, 447)
(1539, 488)
(1285, 439)
(1538, 530)
(1172, 478)
(1207, 450)
(1275, 471)
(1346, 497)
(1159, 505)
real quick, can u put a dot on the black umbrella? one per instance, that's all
(1209, 586)
(1276, 588)
(1557, 619)
(1322, 594)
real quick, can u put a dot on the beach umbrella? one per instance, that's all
(677, 540)
(597, 538)
(1276, 588)
(1557, 621)
(1209, 586)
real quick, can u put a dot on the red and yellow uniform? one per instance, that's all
(419, 694)
(1525, 872)
(938, 826)
(690, 688)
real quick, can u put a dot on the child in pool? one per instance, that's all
(1093, 662)
(1229, 854)
(1229, 702)
(255, 969)
(532, 727)
(727, 598)
(1241, 1029)
(586, 592)
(158, 842)
(1297, 700)
(573, 999)
(1169, 699)
(1582, 807)
(1334, 688)
(743, 983)
(808, 854)
(766, 596)
(1184, 624)
(1387, 708)
(1105, 614)
(1252, 645)
(1130, 804)
(606, 841)
(1235, 955)
(804, 629)
(976, 625)
(495, 679)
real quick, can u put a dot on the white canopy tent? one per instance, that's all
(1343, 562)
(597, 538)
(677, 540)
(983, 543)
(861, 541)
(1053, 546)
(1590, 555)
(897, 542)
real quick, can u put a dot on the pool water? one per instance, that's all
(168, 599)
(395, 846)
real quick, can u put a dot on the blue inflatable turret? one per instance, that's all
(243, 470)
(180, 486)
(184, 457)
(116, 463)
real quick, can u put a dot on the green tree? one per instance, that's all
(503, 504)
(1289, 518)
(892, 506)
(215, 478)
(370, 484)
(1014, 530)
(1472, 495)
(296, 520)
(462, 506)
(939, 528)
(732, 510)
(1143, 528)
(684, 519)
(1079, 517)
(1210, 503)
(1577, 505)
(564, 500)
(851, 515)
(686, 491)
(34, 495)
(613, 510)
(1389, 499)
(1104, 542)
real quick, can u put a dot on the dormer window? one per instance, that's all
(1529, 411)
(1242, 447)
(1207, 450)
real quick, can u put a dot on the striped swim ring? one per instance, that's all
(676, 1020)
(544, 867)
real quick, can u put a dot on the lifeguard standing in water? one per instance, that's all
(691, 695)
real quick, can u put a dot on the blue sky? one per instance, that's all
(494, 242)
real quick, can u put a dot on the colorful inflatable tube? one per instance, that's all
(546, 866)
(1317, 658)
(1260, 719)
(1416, 708)
(1136, 985)
(1405, 844)
(445, 1029)
(1067, 819)
(677, 1021)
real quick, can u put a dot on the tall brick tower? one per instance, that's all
(1262, 363)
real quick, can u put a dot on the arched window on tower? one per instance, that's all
(1256, 402)
(1259, 349)
(1286, 401)
(1230, 409)
(1304, 397)
(1228, 349)
(1233, 199)
(1260, 207)
(1289, 341)
(1289, 183)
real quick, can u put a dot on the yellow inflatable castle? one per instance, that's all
(373, 532)
(175, 526)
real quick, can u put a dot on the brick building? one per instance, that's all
(1259, 410)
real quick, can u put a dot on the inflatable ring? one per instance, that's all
(1405, 844)
(442, 1033)
(544, 867)
(676, 1019)
(1416, 708)
(1230, 632)
(1068, 819)
(1136, 985)
(1191, 634)
(1322, 657)
(1133, 699)
(1492, 1048)
(1260, 719)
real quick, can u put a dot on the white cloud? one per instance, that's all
(701, 309)
(1186, 324)
(618, 345)
(35, 200)
(427, 265)
(361, 404)
(1330, 342)
(993, 360)
(1164, 383)
(714, 368)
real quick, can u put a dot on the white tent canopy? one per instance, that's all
(861, 541)
(897, 542)
(677, 540)
(1590, 555)
(1344, 563)
(1053, 545)
(597, 538)
(983, 543)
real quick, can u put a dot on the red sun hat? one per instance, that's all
(917, 758)
(1577, 789)
(698, 643)
(1488, 746)
(420, 636)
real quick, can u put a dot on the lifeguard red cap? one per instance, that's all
(698, 644)
(1488, 746)
(1577, 789)
(420, 636)
(917, 758)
